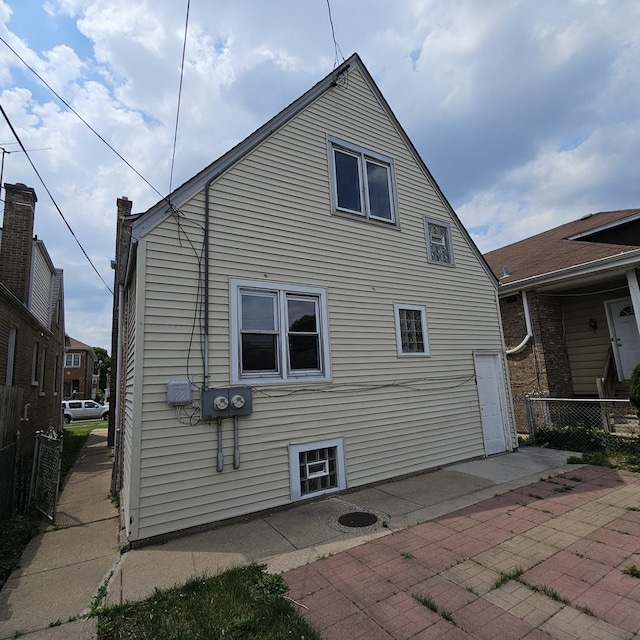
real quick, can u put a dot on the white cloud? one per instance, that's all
(526, 113)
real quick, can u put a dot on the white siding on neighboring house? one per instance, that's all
(271, 220)
(587, 349)
(41, 289)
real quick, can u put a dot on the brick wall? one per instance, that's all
(543, 365)
(42, 393)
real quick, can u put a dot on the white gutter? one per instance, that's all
(527, 320)
(624, 259)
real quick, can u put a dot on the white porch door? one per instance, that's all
(490, 394)
(625, 336)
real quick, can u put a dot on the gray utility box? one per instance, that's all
(227, 402)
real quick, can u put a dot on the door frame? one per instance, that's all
(507, 414)
(612, 332)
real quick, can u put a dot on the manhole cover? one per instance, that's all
(357, 519)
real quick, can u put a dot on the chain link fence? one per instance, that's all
(45, 475)
(584, 425)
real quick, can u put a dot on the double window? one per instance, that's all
(279, 332)
(72, 360)
(438, 241)
(362, 182)
(411, 330)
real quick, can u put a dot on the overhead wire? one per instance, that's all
(336, 46)
(66, 104)
(175, 134)
(55, 204)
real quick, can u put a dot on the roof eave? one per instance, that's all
(629, 258)
(150, 218)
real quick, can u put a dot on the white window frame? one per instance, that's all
(363, 155)
(43, 369)
(294, 470)
(447, 241)
(73, 357)
(423, 313)
(282, 291)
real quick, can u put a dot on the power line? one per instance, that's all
(336, 46)
(55, 204)
(66, 104)
(175, 135)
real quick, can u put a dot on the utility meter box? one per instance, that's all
(226, 402)
(178, 392)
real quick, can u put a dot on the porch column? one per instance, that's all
(634, 290)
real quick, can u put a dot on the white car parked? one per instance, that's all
(84, 410)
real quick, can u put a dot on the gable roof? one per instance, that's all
(146, 221)
(558, 249)
(71, 344)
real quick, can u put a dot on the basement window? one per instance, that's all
(316, 468)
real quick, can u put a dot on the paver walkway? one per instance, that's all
(543, 561)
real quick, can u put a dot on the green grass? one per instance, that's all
(241, 603)
(611, 459)
(632, 571)
(428, 602)
(505, 576)
(75, 435)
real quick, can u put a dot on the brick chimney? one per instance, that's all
(17, 239)
(123, 206)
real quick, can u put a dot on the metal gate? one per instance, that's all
(45, 474)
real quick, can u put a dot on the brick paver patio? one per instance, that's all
(542, 561)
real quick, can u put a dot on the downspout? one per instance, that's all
(527, 320)
(116, 439)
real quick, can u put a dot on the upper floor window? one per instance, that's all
(72, 360)
(362, 181)
(279, 332)
(439, 241)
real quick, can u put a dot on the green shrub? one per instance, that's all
(634, 391)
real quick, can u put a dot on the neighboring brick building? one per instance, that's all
(578, 283)
(80, 374)
(31, 319)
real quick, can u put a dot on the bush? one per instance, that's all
(634, 391)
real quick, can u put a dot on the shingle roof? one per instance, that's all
(552, 251)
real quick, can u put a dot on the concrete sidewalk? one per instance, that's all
(63, 568)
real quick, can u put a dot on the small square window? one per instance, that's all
(411, 330)
(317, 468)
(362, 182)
(438, 235)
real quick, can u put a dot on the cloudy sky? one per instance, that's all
(527, 112)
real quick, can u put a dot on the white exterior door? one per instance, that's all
(625, 337)
(492, 405)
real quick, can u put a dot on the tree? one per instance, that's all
(104, 364)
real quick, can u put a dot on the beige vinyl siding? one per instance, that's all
(271, 221)
(588, 349)
(129, 351)
(41, 287)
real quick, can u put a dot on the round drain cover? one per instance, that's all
(357, 519)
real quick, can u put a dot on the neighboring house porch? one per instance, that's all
(568, 299)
